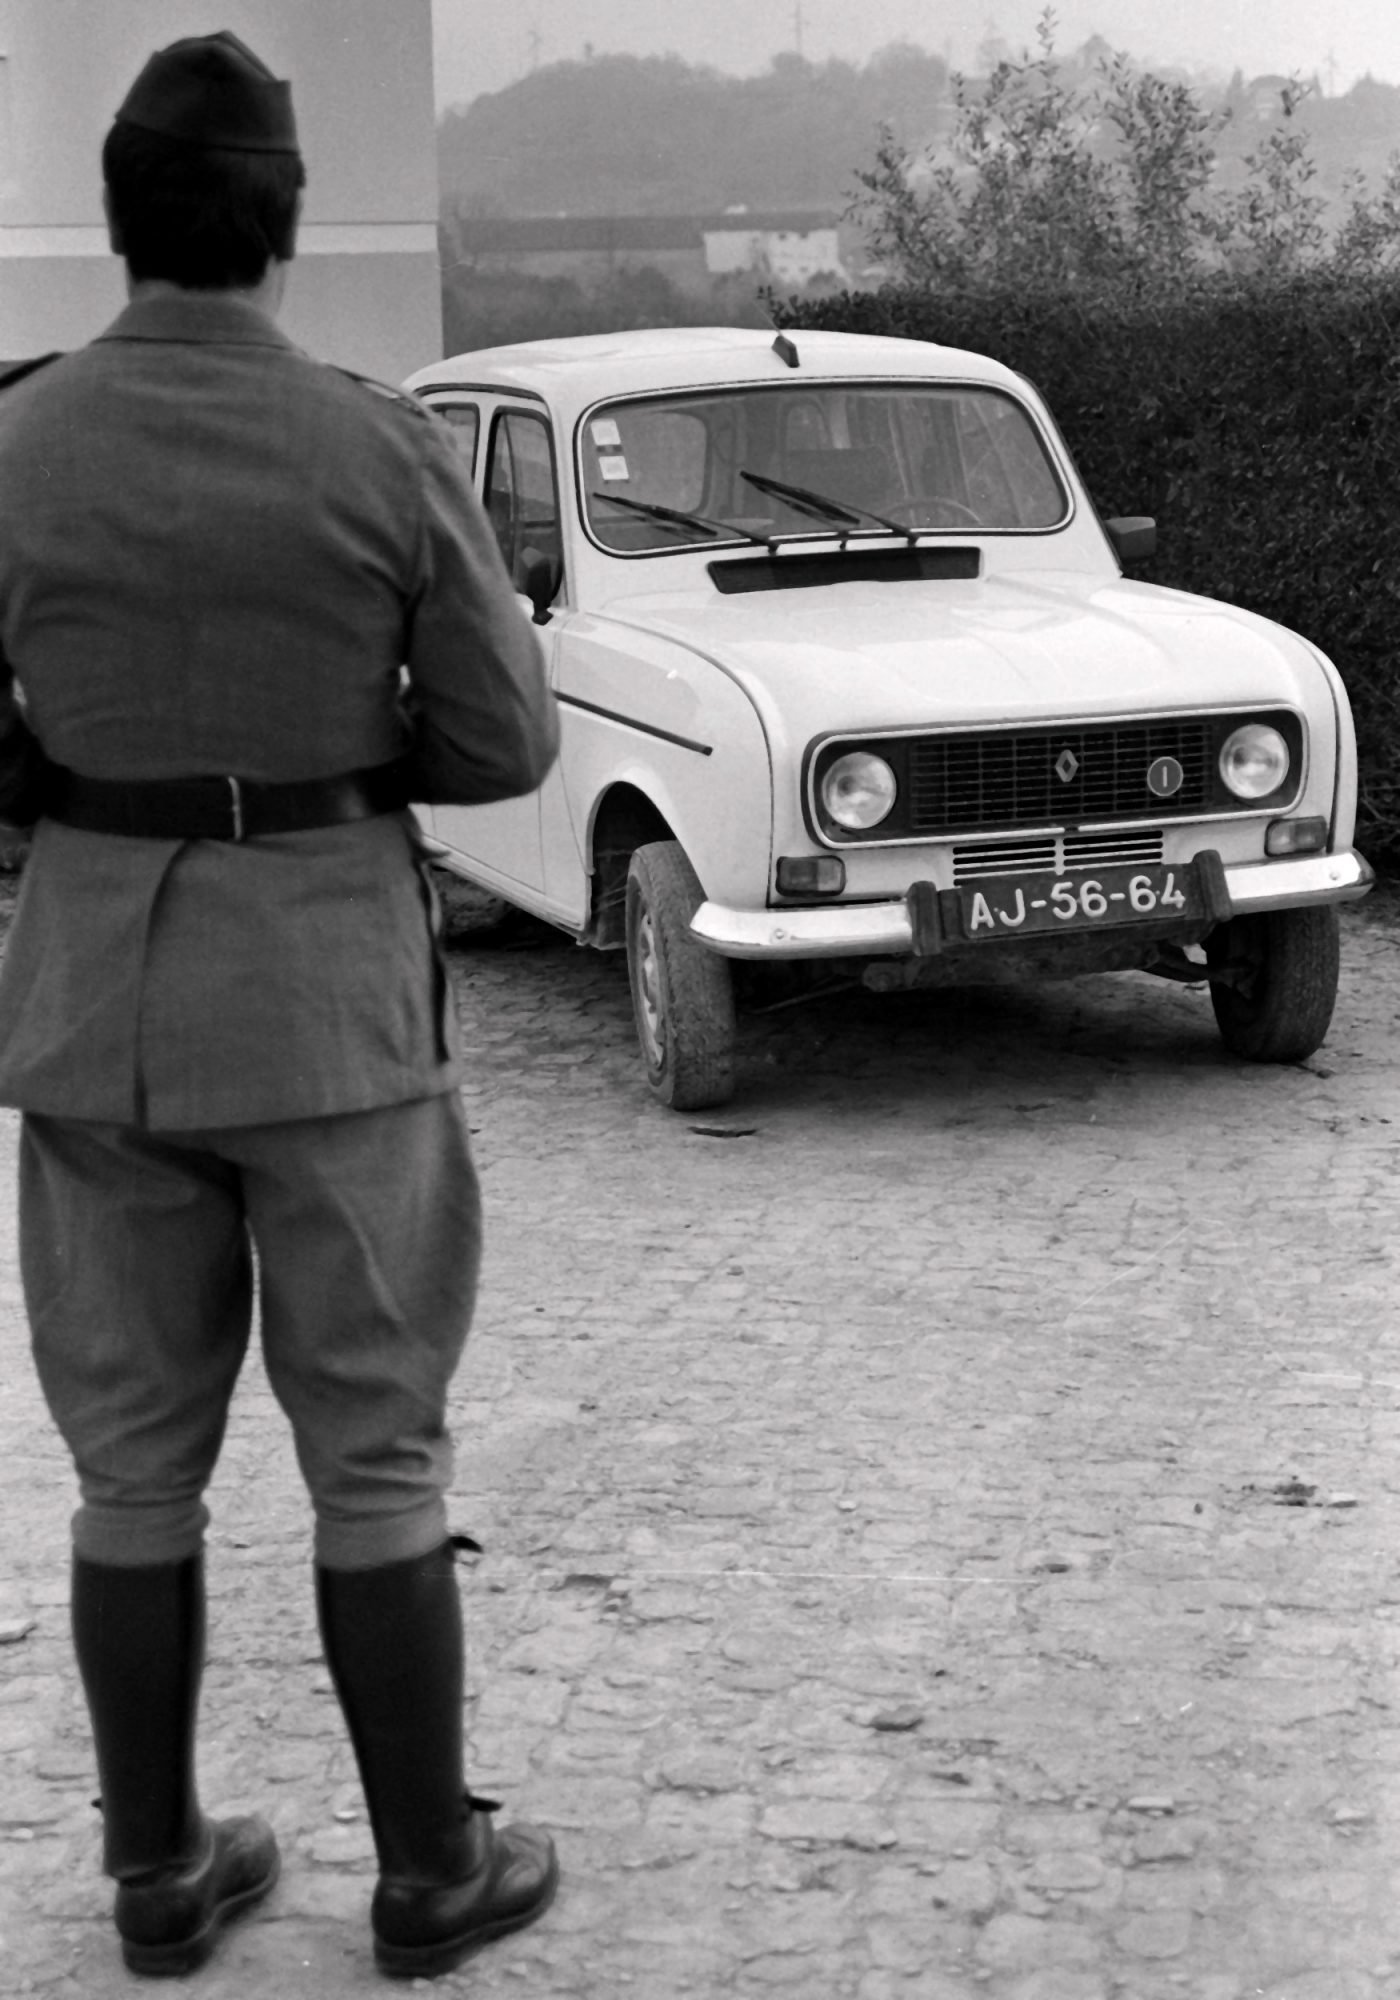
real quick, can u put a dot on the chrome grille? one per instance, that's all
(976, 861)
(1031, 777)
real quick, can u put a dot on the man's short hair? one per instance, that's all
(204, 218)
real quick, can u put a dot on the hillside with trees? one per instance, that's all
(632, 135)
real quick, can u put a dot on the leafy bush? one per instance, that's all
(1257, 418)
(1056, 176)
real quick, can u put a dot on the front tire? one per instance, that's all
(1275, 1000)
(682, 994)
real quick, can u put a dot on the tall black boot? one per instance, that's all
(447, 1882)
(139, 1638)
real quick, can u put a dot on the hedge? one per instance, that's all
(1258, 420)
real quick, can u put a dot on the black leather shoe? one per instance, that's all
(508, 1879)
(169, 1918)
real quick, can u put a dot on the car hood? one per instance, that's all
(885, 655)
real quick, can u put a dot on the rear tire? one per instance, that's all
(682, 994)
(1283, 968)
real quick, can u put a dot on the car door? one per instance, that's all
(500, 844)
(463, 419)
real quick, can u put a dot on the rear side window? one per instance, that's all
(464, 420)
(522, 493)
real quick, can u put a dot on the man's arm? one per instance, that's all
(23, 766)
(24, 769)
(483, 719)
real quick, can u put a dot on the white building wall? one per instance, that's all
(791, 256)
(365, 290)
(795, 256)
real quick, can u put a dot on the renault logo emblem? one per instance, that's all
(1165, 777)
(1065, 766)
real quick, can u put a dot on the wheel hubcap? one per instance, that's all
(650, 1006)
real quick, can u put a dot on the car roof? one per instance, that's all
(586, 367)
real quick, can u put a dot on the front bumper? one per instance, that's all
(876, 930)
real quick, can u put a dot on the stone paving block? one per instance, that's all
(1013, 1942)
(326, 1894)
(520, 1700)
(1324, 1985)
(703, 1767)
(589, 1752)
(823, 1821)
(1056, 1983)
(501, 1763)
(603, 1804)
(1155, 1934)
(943, 1826)
(1052, 1832)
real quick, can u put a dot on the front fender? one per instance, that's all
(1342, 829)
(645, 712)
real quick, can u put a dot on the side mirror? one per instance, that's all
(1134, 537)
(537, 578)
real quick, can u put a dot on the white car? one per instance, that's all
(848, 670)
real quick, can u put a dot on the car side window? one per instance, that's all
(464, 419)
(522, 493)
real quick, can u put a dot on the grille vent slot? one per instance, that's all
(985, 860)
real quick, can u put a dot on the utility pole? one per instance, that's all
(797, 25)
(534, 42)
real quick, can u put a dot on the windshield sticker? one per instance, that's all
(606, 434)
(614, 468)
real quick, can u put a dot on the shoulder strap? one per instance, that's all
(15, 371)
(377, 388)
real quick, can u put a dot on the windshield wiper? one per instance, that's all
(821, 507)
(672, 517)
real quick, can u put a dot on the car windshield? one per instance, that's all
(668, 472)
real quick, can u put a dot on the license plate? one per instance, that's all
(1018, 904)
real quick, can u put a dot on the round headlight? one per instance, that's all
(1254, 761)
(858, 790)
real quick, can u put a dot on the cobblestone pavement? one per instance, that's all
(940, 1520)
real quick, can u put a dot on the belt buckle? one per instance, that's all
(236, 803)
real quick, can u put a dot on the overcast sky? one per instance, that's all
(482, 45)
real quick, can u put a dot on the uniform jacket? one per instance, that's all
(219, 556)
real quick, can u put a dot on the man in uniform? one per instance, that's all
(251, 608)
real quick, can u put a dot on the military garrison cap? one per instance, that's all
(212, 91)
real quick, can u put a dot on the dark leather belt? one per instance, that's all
(220, 808)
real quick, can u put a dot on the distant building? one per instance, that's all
(791, 255)
(365, 290)
(792, 247)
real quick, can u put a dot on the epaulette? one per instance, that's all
(384, 389)
(15, 371)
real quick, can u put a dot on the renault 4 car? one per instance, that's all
(849, 670)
